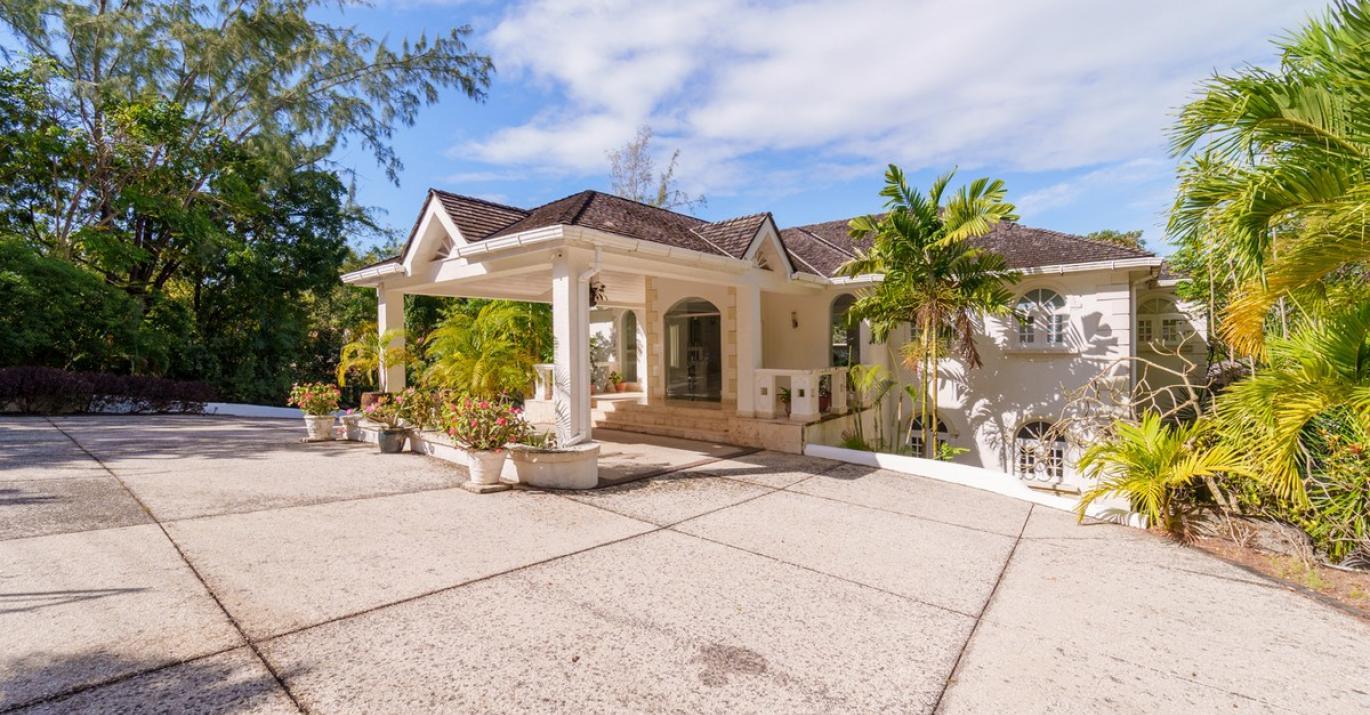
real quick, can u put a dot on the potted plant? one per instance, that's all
(389, 415)
(616, 380)
(785, 396)
(540, 462)
(484, 428)
(824, 397)
(352, 424)
(318, 400)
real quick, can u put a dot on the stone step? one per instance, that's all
(713, 413)
(655, 419)
(668, 431)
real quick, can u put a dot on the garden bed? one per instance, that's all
(1348, 590)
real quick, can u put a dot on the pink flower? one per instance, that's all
(501, 422)
(484, 405)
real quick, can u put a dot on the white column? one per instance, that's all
(571, 335)
(748, 347)
(390, 316)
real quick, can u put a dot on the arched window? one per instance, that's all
(1040, 455)
(916, 442)
(1158, 319)
(1042, 318)
(846, 333)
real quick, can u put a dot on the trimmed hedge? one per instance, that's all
(49, 391)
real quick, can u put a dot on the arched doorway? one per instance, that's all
(846, 333)
(694, 355)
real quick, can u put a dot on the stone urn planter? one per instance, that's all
(391, 441)
(318, 428)
(486, 464)
(575, 467)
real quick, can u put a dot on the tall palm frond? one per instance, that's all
(1322, 367)
(371, 352)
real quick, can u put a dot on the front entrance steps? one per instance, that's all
(703, 421)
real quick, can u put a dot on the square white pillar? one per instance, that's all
(748, 347)
(571, 351)
(804, 397)
(390, 316)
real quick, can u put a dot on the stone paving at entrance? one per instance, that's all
(198, 564)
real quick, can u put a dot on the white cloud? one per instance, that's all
(1036, 86)
(1065, 193)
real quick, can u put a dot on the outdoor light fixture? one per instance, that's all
(596, 293)
(794, 319)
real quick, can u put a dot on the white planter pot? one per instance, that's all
(569, 468)
(319, 428)
(352, 428)
(486, 465)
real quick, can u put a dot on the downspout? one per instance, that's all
(583, 285)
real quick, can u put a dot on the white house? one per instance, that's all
(733, 331)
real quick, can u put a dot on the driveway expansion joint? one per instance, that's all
(242, 635)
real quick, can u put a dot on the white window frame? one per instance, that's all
(1046, 307)
(1034, 461)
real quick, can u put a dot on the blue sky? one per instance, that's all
(796, 108)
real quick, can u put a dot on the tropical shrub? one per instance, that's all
(1156, 466)
(315, 398)
(371, 352)
(482, 353)
(485, 425)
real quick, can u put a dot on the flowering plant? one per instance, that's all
(386, 411)
(482, 425)
(422, 408)
(315, 398)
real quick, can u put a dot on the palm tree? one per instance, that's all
(1151, 462)
(1280, 177)
(483, 353)
(371, 352)
(1321, 370)
(932, 277)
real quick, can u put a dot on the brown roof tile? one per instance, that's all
(477, 218)
(734, 236)
(825, 246)
(614, 214)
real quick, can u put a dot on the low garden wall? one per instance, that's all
(1116, 511)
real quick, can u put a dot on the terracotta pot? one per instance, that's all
(824, 402)
(318, 428)
(486, 464)
(369, 398)
(392, 440)
(621, 387)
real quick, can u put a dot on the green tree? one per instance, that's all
(1277, 183)
(933, 278)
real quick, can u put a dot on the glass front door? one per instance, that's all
(694, 356)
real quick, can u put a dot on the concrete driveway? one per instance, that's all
(194, 564)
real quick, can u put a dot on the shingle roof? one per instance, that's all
(734, 236)
(825, 246)
(477, 218)
(614, 214)
(818, 248)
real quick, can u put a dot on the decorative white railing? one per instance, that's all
(812, 393)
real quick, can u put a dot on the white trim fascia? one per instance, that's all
(1167, 283)
(372, 274)
(857, 280)
(1148, 262)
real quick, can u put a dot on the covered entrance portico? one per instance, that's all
(689, 322)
